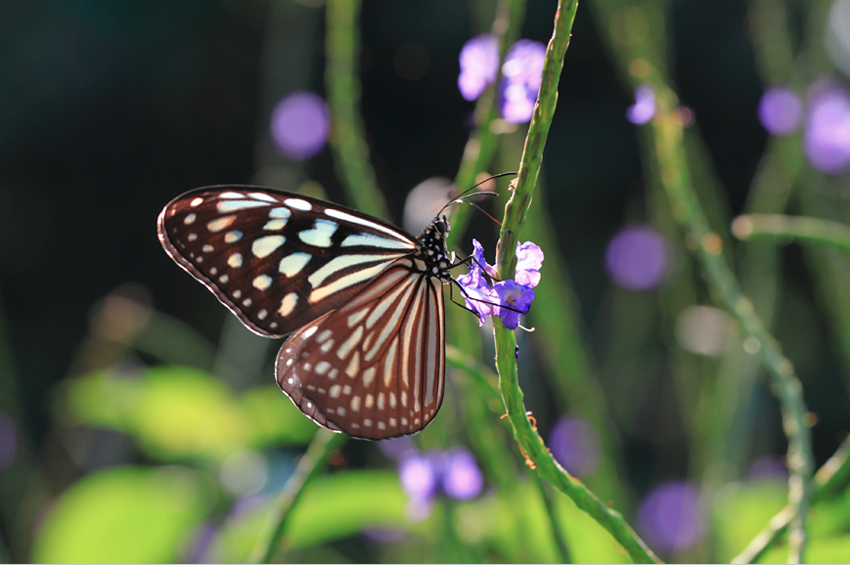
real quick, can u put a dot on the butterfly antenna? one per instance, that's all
(466, 193)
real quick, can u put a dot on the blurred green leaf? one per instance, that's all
(273, 419)
(741, 512)
(829, 550)
(331, 508)
(125, 515)
(179, 412)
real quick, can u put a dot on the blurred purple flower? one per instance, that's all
(826, 137)
(202, 539)
(644, 107)
(516, 297)
(453, 472)
(462, 479)
(517, 293)
(669, 517)
(419, 476)
(576, 445)
(479, 64)
(8, 440)
(523, 73)
(780, 111)
(300, 124)
(636, 258)
(397, 448)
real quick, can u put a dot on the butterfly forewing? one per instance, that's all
(277, 260)
(375, 367)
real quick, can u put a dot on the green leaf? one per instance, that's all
(124, 515)
(741, 512)
(331, 508)
(179, 412)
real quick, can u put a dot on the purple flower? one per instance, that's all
(669, 517)
(300, 124)
(523, 73)
(478, 294)
(418, 476)
(518, 297)
(479, 64)
(516, 293)
(644, 107)
(780, 110)
(826, 138)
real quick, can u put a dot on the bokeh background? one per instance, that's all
(133, 408)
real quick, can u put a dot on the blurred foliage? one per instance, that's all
(141, 429)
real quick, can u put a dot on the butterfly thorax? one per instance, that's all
(433, 256)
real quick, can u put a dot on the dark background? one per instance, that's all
(110, 109)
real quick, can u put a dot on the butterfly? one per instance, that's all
(362, 299)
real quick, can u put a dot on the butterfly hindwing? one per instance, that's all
(375, 367)
(277, 260)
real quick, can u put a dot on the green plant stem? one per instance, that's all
(348, 142)
(310, 465)
(675, 176)
(793, 228)
(515, 213)
(830, 480)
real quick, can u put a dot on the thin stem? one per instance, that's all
(310, 465)
(829, 481)
(708, 247)
(348, 143)
(793, 228)
(515, 213)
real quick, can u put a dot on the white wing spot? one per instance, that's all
(197, 201)
(392, 400)
(374, 241)
(261, 315)
(207, 248)
(262, 196)
(267, 245)
(350, 343)
(354, 366)
(334, 391)
(404, 421)
(370, 401)
(356, 317)
(275, 225)
(322, 367)
(238, 205)
(332, 375)
(320, 235)
(213, 271)
(190, 218)
(291, 265)
(369, 377)
(380, 401)
(309, 333)
(235, 260)
(403, 398)
(192, 236)
(247, 303)
(220, 223)
(382, 426)
(223, 279)
(355, 403)
(340, 215)
(237, 293)
(232, 236)
(262, 282)
(199, 259)
(287, 305)
(280, 213)
(340, 411)
(230, 195)
(393, 422)
(346, 390)
(328, 345)
(298, 204)
(325, 334)
(367, 422)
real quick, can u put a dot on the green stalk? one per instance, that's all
(348, 142)
(787, 229)
(514, 218)
(309, 466)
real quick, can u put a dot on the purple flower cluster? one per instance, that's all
(826, 127)
(644, 107)
(508, 299)
(522, 72)
(669, 517)
(424, 475)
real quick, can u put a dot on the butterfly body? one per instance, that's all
(363, 298)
